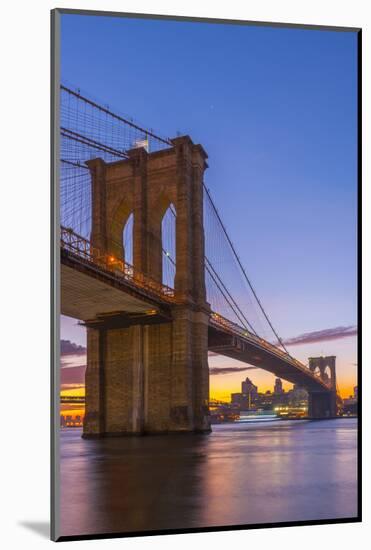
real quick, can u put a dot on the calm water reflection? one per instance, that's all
(239, 474)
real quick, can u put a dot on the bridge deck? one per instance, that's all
(91, 288)
(87, 292)
(225, 339)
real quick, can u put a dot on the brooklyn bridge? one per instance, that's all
(148, 266)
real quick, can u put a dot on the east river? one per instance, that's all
(239, 474)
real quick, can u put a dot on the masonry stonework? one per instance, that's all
(151, 378)
(323, 404)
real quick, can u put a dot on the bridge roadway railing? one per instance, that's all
(220, 321)
(82, 248)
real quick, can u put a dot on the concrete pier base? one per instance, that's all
(321, 405)
(148, 378)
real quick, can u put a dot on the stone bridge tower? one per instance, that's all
(151, 378)
(323, 404)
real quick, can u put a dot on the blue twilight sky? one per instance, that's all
(276, 110)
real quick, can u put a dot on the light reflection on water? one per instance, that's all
(239, 474)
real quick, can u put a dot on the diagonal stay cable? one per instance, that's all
(85, 140)
(114, 115)
(209, 267)
(243, 269)
(219, 282)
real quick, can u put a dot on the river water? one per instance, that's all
(239, 474)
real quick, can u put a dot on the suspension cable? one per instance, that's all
(114, 115)
(220, 289)
(243, 270)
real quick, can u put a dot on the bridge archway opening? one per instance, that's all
(73, 359)
(317, 371)
(326, 375)
(168, 240)
(127, 240)
(120, 231)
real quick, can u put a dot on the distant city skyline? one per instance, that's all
(276, 111)
(225, 374)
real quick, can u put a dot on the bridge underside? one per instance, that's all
(232, 346)
(87, 293)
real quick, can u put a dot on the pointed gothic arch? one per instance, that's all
(168, 244)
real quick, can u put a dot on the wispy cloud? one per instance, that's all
(72, 387)
(72, 361)
(336, 333)
(70, 348)
(73, 375)
(228, 370)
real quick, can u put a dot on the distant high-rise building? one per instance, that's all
(355, 392)
(247, 387)
(236, 398)
(278, 386)
(246, 399)
(241, 400)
